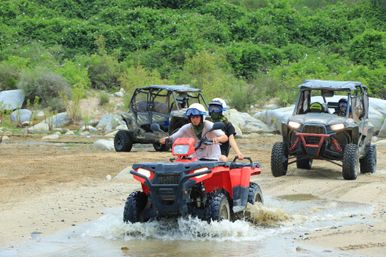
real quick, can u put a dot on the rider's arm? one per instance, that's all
(233, 144)
(179, 133)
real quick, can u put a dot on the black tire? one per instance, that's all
(122, 141)
(255, 194)
(161, 147)
(369, 162)
(279, 159)
(134, 206)
(218, 207)
(304, 163)
(350, 167)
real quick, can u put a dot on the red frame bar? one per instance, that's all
(322, 137)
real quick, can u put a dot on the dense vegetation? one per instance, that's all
(246, 51)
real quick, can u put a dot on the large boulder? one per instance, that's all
(11, 99)
(274, 118)
(246, 122)
(382, 131)
(109, 122)
(21, 116)
(57, 121)
(103, 144)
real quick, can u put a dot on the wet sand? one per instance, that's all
(45, 188)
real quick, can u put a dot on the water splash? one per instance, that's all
(265, 216)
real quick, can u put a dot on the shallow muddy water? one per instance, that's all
(270, 231)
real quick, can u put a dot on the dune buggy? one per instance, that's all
(318, 130)
(164, 105)
(209, 190)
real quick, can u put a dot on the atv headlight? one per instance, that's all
(200, 170)
(144, 172)
(294, 125)
(181, 149)
(336, 127)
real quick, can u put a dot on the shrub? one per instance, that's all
(104, 71)
(368, 47)
(47, 86)
(104, 99)
(8, 77)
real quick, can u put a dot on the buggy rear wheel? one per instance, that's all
(255, 195)
(304, 163)
(218, 207)
(279, 159)
(350, 168)
(123, 141)
(134, 206)
(161, 147)
(369, 162)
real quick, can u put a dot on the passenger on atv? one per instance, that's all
(197, 127)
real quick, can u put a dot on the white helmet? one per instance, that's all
(218, 105)
(196, 109)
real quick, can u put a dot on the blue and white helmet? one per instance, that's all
(196, 109)
(218, 105)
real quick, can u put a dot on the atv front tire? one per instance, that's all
(122, 141)
(279, 159)
(350, 168)
(218, 207)
(134, 206)
(255, 195)
(304, 163)
(369, 162)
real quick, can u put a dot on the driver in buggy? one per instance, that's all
(197, 127)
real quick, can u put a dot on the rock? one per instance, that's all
(21, 117)
(70, 133)
(382, 131)
(120, 93)
(246, 122)
(274, 118)
(109, 122)
(88, 128)
(41, 127)
(60, 120)
(108, 177)
(11, 99)
(4, 139)
(103, 144)
(381, 143)
(111, 134)
(51, 137)
(40, 115)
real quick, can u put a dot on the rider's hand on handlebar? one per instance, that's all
(240, 156)
(163, 140)
(215, 140)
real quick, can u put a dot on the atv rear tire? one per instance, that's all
(255, 194)
(122, 141)
(369, 162)
(279, 159)
(161, 147)
(350, 168)
(304, 163)
(134, 206)
(218, 207)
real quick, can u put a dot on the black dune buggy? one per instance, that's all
(318, 130)
(164, 105)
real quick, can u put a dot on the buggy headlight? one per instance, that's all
(336, 127)
(144, 172)
(294, 125)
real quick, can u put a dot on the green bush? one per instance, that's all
(104, 72)
(104, 99)
(8, 77)
(368, 47)
(47, 86)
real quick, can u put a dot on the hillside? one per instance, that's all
(246, 51)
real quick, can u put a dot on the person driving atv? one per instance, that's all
(342, 107)
(217, 107)
(197, 127)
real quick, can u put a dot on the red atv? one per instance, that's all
(207, 189)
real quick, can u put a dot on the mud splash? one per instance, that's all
(260, 215)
